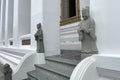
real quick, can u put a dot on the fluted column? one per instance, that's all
(6, 23)
(2, 31)
(1, 11)
(15, 24)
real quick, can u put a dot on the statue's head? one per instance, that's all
(6, 66)
(39, 26)
(85, 13)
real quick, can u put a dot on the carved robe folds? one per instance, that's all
(87, 36)
(39, 39)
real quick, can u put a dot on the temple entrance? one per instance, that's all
(69, 11)
(72, 8)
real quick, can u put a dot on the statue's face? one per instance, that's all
(85, 15)
(38, 27)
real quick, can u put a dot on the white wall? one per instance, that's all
(83, 4)
(51, 19)
(36, 17)
(106, 14)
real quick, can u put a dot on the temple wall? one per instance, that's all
(106, 16)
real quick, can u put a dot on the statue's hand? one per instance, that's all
(87, 32)
(80, 36)
(36, 37)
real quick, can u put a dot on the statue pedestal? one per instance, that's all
(85, 55)
(40, 58)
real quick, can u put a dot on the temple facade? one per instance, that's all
(62, 58)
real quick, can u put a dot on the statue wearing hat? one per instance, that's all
(86, 33)
(39, 38)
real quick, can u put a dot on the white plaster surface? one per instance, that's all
(51, 28)
(107, 25)
(97, 67)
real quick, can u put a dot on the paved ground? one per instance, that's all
(1, 73)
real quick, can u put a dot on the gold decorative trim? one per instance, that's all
(26, 42)
(70, 20)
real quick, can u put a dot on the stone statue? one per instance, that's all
(86, 33)
(39, 38)
(7, 72)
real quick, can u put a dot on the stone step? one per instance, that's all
(62, 63)
(26, 79)
(37, 75)
(53, 71)
(62, 60)
(71, 54)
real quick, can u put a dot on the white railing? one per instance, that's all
(81, 72)
(20, 60)
(97, 67)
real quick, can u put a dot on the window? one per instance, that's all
(69, 11)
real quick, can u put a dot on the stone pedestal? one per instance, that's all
(40, 57)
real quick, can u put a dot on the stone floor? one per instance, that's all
(1, 72)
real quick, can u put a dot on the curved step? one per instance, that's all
(9, 58)
(12, 55)
(13, 51)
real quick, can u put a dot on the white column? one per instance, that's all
(6, 23)
(51, 26)
(10, 19)
(1, 12)
(106, 14)
(15, 24)
(3, 20)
